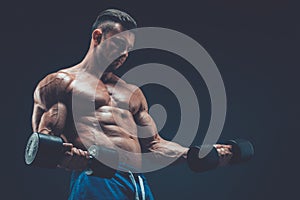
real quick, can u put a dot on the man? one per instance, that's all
(120, 121)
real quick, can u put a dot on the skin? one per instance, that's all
(120, 122)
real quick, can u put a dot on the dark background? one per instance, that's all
(254, 44)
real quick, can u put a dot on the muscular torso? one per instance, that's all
(104, 116)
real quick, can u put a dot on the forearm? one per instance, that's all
(51, 121)
(163, 149)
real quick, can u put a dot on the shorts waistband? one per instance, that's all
(128, 169)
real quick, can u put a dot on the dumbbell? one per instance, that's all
(46, 151)
(242, 151)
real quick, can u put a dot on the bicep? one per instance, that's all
(149, 137)
(147, 131)
(146, 127)
(49, 111)
(151, 141)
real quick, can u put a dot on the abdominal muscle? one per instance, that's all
(90, 131)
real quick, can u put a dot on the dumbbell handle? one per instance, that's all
(105, 167)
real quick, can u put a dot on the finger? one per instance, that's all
(87, 154)
(79, 160)
(82, 153)
(229, 147)
(75, 151)
(67, 146)
(222, 146)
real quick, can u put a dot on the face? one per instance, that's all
(115, 45)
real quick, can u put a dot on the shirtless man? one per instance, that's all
(52, 114)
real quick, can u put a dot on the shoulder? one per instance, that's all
(59, 77)
(53, 87)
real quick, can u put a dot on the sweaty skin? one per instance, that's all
(120, 123)
(53, 115)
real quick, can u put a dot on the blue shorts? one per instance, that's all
(122, 186)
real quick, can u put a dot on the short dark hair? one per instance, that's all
(117, 16)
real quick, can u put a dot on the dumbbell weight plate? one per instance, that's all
(242, 150)
(43, 150)
(31, 148)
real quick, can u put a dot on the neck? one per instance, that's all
(92, 64)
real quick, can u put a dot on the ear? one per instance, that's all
(96, 37)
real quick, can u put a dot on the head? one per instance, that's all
(109, 23)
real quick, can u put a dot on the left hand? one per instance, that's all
(225, 153)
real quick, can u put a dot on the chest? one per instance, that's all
(117, 95)
(123, 97)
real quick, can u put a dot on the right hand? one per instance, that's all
(74, 158)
